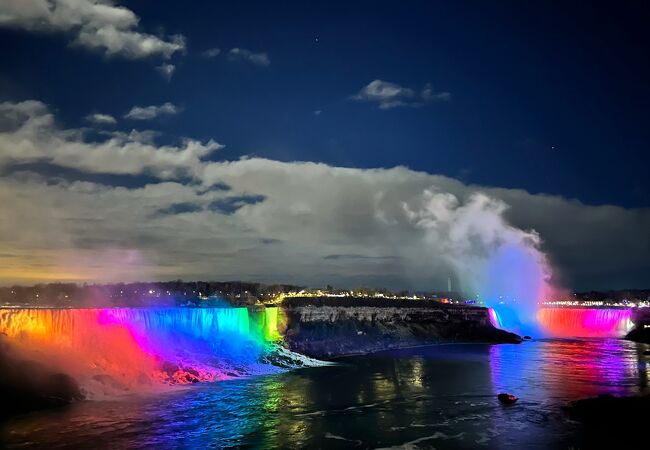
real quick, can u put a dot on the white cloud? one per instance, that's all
(427, 94)
(211, 53)
(101, 119)
(395, 227)
(390, 95)
(94, 24)
(166, 70)
(31, 136)
(241, 54)
(151, 112)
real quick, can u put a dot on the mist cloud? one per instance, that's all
(268, 220)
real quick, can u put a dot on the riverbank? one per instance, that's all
(641, 330)
(612, 422)
(639, 334)
(608, 410)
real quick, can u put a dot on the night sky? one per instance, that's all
(279, 141)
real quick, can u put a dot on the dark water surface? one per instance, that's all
(430, 397)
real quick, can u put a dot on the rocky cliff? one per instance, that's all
(641, 330)
(331, 327)
(26, 385)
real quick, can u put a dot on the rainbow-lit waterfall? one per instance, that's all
(127, 349)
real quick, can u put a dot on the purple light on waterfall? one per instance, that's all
(586, 322)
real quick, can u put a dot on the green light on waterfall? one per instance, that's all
(271, 324)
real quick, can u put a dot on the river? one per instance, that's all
(429, 397)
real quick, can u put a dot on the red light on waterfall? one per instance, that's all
(585, 322)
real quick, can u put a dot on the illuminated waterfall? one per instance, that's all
(576, 322)
(585, 322)
(512, 285)
(125, 349)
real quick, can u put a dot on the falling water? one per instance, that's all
(513, 284)
(128, 349)
(585, 322)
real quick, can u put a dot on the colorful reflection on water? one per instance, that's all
(439, 396)
(578, 368)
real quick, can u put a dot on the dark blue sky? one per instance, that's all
(548, 97)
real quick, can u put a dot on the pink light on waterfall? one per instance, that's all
(108, 350)
(585, 322)
(494, 318)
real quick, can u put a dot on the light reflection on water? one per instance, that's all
(442, 397)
